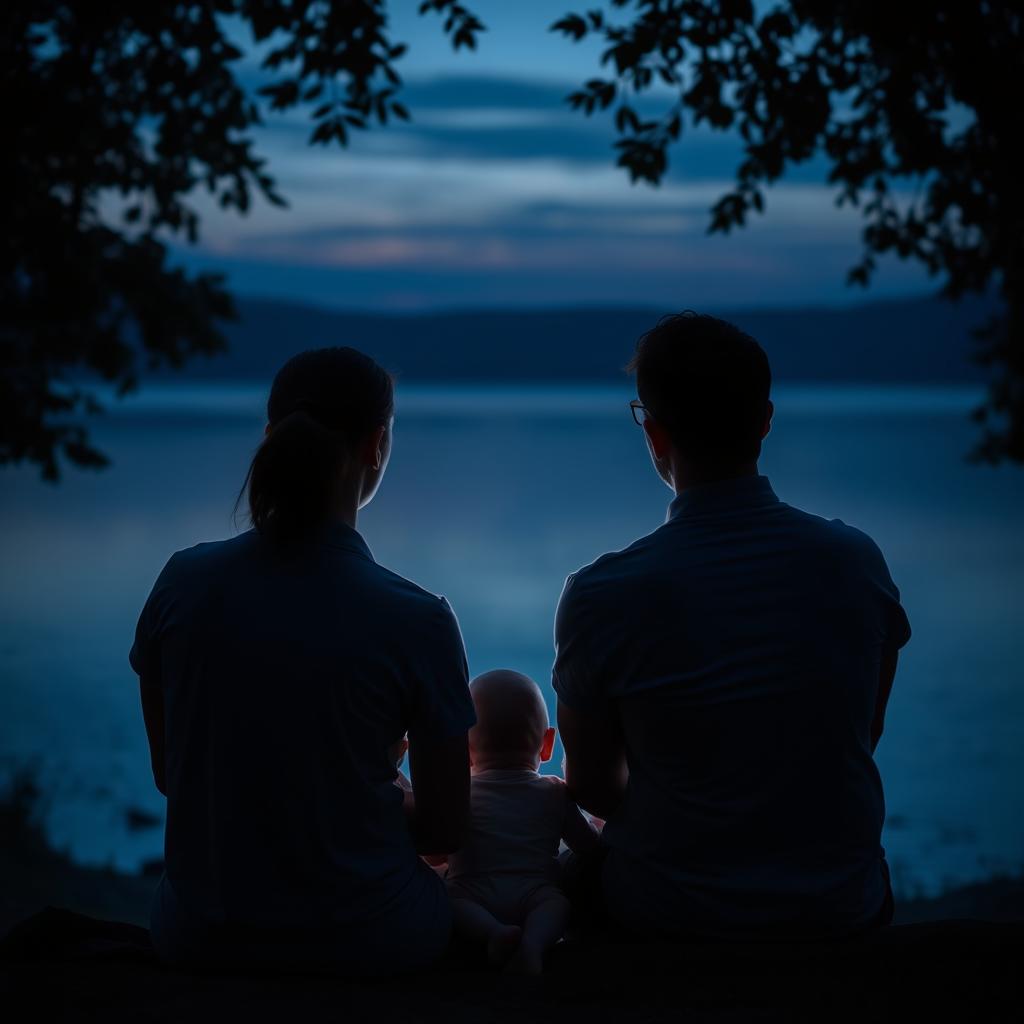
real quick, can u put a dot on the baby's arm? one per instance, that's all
(577, 833)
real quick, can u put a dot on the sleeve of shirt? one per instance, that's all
(443, 707)
(894, 622)
(897, 625)
(572, 678)
(144, 656)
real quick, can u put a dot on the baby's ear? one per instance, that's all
(547, 745)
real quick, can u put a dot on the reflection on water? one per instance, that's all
(492, 497)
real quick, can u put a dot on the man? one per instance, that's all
(722, 682)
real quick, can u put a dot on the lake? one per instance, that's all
(492, 497)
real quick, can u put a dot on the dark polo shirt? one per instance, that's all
(739, 645)
(285, 677)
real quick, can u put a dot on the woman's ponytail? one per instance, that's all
(323, 402)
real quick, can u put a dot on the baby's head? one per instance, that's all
(511, 728)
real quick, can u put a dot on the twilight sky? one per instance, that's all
(497, 194)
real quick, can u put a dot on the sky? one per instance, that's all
(499, 195)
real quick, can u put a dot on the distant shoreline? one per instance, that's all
(914, 340)
(560, 399)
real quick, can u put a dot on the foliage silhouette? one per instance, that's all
(915, 105)
(119, 113)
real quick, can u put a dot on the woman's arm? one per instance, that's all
(153, 715)
(438, 806)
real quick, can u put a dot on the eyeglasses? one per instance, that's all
(636, 407)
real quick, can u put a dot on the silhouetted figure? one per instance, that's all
(279, 669)
(504, 880)
(722, 681)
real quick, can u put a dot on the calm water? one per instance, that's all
(492, 497)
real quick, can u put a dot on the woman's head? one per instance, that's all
(327, 441)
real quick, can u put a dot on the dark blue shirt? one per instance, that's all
(285, 677)
(739, 646)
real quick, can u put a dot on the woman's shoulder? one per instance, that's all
(412, 596)
(417, 620)
(206, 552)
(200, 560)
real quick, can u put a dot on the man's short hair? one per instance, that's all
(707, 383)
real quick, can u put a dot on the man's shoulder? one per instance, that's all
(837, 535)
(848, 549)
(615, 566)
(645, 555)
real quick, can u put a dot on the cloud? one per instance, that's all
(342, 194)
(689, 273)
(552, 243)
(487, 92)
(487, 118)
(477, 118)
(497, 193)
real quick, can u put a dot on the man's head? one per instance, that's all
(511, 722)
(704, 385)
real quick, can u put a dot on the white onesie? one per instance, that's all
(509, 861)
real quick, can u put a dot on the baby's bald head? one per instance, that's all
(511, 718)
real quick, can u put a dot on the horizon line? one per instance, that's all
(598, 307)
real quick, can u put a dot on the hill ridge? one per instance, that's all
(912, 340)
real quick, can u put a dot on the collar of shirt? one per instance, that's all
(340, 535)
(505, 774)
(744, 492)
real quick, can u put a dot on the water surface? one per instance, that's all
(492, 497)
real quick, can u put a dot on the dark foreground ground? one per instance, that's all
(960, 956)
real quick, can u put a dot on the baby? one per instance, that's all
(503, 882)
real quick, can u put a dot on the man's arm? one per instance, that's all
(886, 675)
(595, 758)
(438, 805)
(153, 715)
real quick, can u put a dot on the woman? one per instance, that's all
(276, 669)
